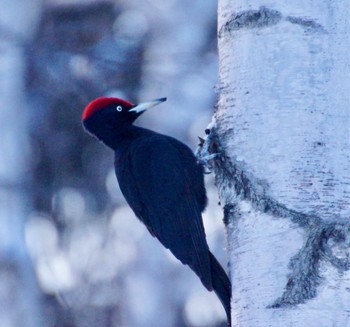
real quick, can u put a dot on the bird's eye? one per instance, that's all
(119, 108)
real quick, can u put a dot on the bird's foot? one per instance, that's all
(204, 153)
(205, 162)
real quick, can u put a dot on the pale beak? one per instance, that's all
(141, 107)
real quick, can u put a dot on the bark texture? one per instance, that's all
(283, 141)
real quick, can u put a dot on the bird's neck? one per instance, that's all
(117, 138)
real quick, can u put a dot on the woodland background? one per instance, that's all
(75, 255)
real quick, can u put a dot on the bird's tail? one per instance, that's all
(221, 286)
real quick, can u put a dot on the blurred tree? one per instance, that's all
(75, 57)
(94, 261)
(283, 138)
(20, 298)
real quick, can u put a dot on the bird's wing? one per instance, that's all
(170, 208)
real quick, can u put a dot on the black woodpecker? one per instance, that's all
(163, 183)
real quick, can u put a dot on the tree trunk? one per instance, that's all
(19, 294)
(283, 141)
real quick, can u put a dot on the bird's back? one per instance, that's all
(163, 184)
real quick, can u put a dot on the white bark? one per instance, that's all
(19, 295)
(283, 171)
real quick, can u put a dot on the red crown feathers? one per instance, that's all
(100, 103)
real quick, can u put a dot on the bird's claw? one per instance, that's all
(205, 161)
(203, 154)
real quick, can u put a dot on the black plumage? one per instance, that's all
(163, 183)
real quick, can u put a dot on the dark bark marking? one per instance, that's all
(229, 210)
(262, 17)
(308, 24)
(265, 17)
(304, 278)
(322, 238)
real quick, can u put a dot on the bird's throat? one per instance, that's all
(116, 138)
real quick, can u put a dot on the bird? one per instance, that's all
(163, 183)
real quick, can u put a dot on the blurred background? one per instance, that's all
(72, 253)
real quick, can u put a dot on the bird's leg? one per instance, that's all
(203, 153)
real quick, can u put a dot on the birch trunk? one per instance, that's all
(19, 293)
(283, 137)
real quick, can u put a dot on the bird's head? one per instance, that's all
(103, 115)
